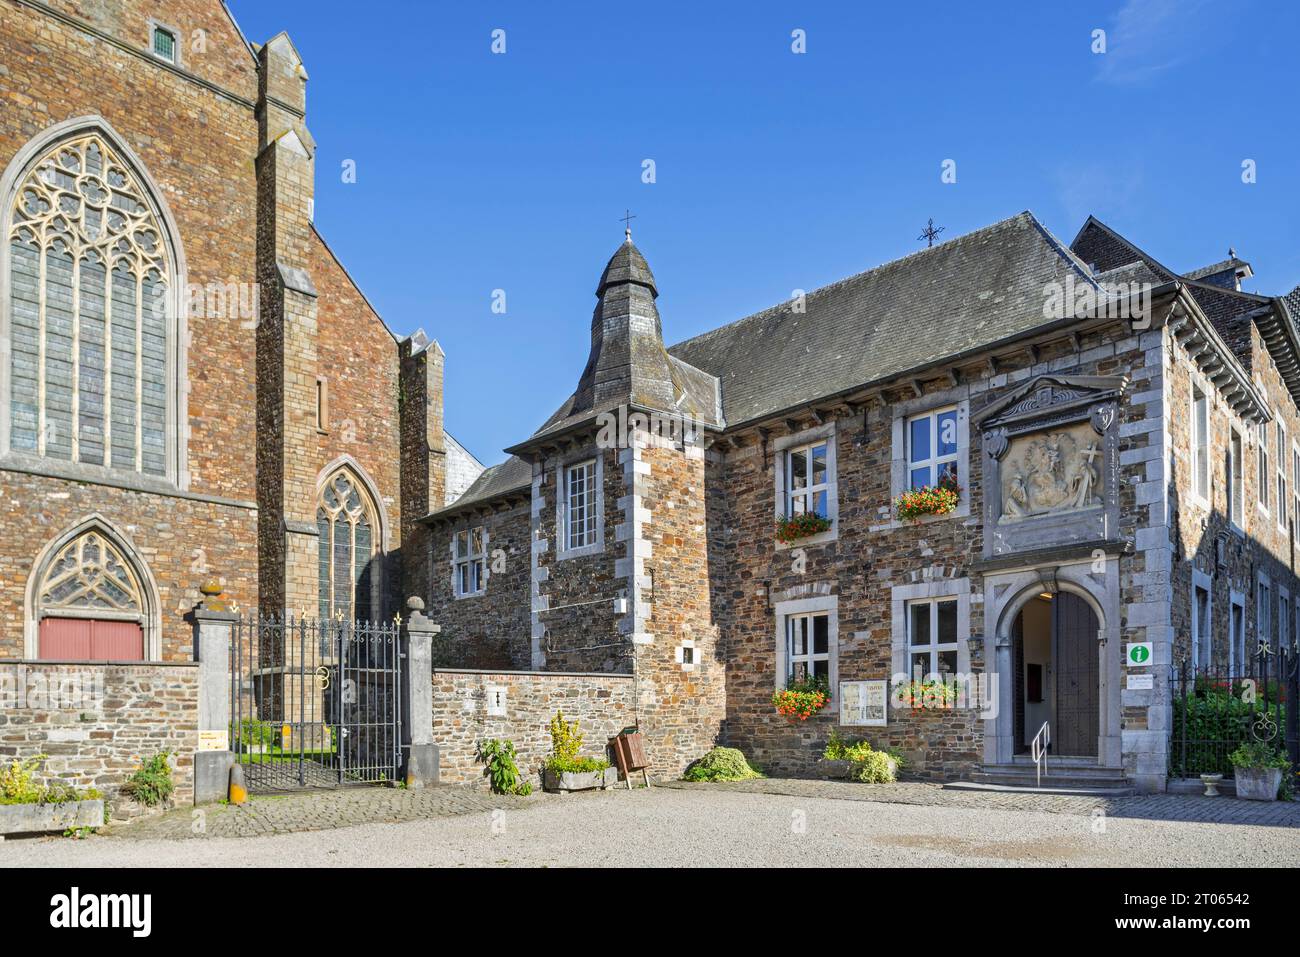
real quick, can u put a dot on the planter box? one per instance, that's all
(1258, 784)
(839, 770)
(578, 781)
(36, 818)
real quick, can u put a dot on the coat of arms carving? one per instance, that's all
(1054, 471)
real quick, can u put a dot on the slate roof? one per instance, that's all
(961, 295)
(509, 476)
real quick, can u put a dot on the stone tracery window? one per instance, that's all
(347, 523)
(90, 278)
(90, 603)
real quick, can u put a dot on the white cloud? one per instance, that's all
(1149, 37)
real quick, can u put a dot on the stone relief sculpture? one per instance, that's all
(1051, 472)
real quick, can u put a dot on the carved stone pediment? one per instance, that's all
(1051, 463)
(1050, 398)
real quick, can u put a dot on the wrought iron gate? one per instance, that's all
(316, 703)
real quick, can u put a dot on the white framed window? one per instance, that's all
(805, 479)
(932, 448)
(164, 44)
(579, 508)
(1295, 493)
(1283, 615)
(1236, 483)
(1200, 445)
(1262, 459)
(808, 647)
(808, 479)
(1236, 631)
(1264, 614)
(807, 641)
(1202, 622)
(1283, 498)
(469, 562)
(932, 637)
(580, 499)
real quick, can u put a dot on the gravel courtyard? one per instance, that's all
(703, 825)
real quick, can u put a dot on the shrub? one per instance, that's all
(152, 782)
(17, 786)
(501, 770)
(566, 742)
(802, 698)
(721, 764)
(874, 768)
(254, 733)
(803, 525)
(1216, 722)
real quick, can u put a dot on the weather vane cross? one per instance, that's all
(930, 231)
(626, 220)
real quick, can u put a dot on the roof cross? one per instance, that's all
(930, 232)
(626, 219)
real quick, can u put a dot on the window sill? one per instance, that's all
(581, 552)
(961, 511)
(470, 594)
(821, 538)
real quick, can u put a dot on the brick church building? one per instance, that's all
(192, 386)
(1124, 443)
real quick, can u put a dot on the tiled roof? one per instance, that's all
(509, 476)
(961, 295)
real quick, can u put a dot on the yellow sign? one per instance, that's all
(214, 741)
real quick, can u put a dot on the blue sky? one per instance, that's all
(774, 171)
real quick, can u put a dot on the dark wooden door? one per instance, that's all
(1074, 661)
(1018, 663)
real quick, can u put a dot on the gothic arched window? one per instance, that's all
(90, 280)
(90, 602)
(349, 549)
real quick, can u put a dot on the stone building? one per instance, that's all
(191, 385)
(1122, 439)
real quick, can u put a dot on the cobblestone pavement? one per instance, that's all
(1162, 807)
(316, 811)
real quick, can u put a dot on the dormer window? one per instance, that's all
(164, 44)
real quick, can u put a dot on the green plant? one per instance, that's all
(799, 526)
(500, 768)
(874, 768)
(802, 698)
(566, 742)
(152, 783)
(721, 764)
(576, 765)
(930, 693)
(1258, 756)
(255, 733)
(1208, 723)
(16, 786)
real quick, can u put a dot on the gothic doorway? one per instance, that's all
(1054, 653)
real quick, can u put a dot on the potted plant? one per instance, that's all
(858, 761)
(803, 525)
(565, 769)
(802, 697)
(1258, 768)
(939, 499)
(26, 808)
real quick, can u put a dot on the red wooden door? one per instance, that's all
(84, 639)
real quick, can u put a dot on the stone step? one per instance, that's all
(1060, 787)
(1055, 770)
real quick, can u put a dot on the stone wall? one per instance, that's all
(601, 703)
(97, 723)
(491, 629)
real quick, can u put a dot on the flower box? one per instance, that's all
(1258, 784)
(38, 818)
(578, 780)
(916, 503)
(798, 527)
(840, 769)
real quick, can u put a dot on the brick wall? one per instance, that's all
(98, 722)
(602, 704)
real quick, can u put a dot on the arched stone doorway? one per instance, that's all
(1056, 677)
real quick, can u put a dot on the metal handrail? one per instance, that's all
(1042, 741)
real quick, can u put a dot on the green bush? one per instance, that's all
(252, 732)
(1217, 721)
(17, 786)
(859, 752)
(873, 768)
(152, 782)
(501, 769)
(721, 764)
(566, 742)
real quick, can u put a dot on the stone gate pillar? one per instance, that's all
(214, 626)
(417, 722)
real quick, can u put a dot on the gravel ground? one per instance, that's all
(671, 827)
